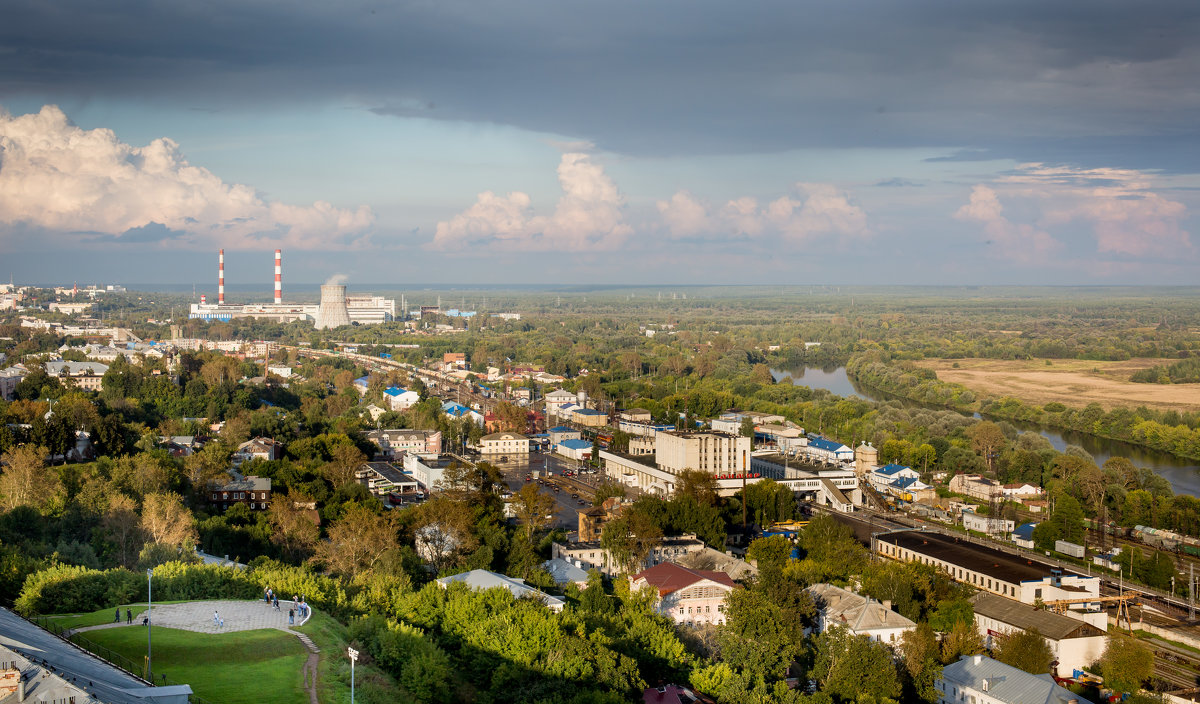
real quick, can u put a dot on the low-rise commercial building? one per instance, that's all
(383, 478)
(990, 525)
(504, 444)
(590, 555)
(392, 443)
(1074, 644)
(1018, 577)
(976, 487)
(399, 399)
(580, 450)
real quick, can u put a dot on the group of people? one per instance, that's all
(129, 617)
(299, 605)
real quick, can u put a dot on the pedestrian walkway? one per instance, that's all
(238, 616)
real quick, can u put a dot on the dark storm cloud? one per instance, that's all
(993, 79)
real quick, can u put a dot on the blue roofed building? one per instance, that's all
(361, 384)
(562, 432)
(829, 450)
(400, 399)
(883, 477)
(459, 412)
(1023, 534)
(576, 449)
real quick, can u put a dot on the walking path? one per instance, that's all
(237, 616)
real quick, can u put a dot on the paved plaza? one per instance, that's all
(198, 616)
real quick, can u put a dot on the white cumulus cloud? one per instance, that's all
(589, 216)
(820, 210)
(1016, 241)
(57, 176)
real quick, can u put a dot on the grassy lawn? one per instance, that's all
(98, 618)
(333, 683)
(229, 668)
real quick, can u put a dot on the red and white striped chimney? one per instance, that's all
(278, 277)
(221, 277)
(203, 299)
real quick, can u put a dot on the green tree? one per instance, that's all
(1068, 519)
(1025, 650)
(1126, 664)
(920, 651)
(851, 667)
(962, 639)
(756, 638)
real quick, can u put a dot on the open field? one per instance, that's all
(230, 668)
(1073, 382)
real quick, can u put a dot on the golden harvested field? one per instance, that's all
(1069, 381)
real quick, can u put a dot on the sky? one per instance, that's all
(617, 142)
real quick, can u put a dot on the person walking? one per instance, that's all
(291, 617)
(220, 623)
(216, 619)
(118, 618)
(129, 617)
(276, 603)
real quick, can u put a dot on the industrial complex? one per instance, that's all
(334, 310)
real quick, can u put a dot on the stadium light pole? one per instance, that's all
(149, 624)
(353, 657)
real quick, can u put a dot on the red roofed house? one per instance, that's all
(686, 595)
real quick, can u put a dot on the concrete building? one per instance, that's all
(255, 492)
(589, 418)
(590, 555)
(975, 486)
(709, 452)
(825, 450)
(635, 415)
(1022, 491)
(989, 525)
(580, 450)
(592, 520)
(392, 443)
(687, 596)
(477, 580)
(383, 478)
(558, 398)
(982, 680)
(860, 615)
(427, 470)
(883, 477)
(399, 399)
(1017, 577)
(504, 444)
(9, 378)
(83, 375)
(1074, 644)
(562, 432)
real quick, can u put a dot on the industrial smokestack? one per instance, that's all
(332, 313)
(203, 299)
(278, 276)
(221, 277)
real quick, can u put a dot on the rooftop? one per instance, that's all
(1005, 683)
(483, 579)
(855, 611)
(892, 469)
(972, 556)
(563, 571)
(575, 444)
(1025, 617)
(669, 577)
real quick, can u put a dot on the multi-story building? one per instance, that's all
(259, 448)
(710, 452)
(1016, 577)
(504, 444)
(255, 492)
(862, 616)
(9, 378)
(84, 375)
(392, 443)
(590, 555)
(399, 399)
(686, 595)
(976, 487)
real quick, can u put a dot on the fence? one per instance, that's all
(111, 656)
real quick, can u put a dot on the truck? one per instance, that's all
(1069, 548)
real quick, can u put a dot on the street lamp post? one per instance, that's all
(353, 657)
(149, 623)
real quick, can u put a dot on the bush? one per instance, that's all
(70, 589)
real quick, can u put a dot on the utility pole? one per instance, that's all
(149, 623)
(1192, 591)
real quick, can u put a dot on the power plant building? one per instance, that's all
(335, 309)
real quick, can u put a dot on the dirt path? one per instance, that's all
(310, 677)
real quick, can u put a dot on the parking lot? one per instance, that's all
(517, 467)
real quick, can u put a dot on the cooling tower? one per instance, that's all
(332, 312)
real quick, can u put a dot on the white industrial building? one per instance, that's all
(1074, 644)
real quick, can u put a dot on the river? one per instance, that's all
(1183, 474)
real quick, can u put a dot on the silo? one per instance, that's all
(332, 312)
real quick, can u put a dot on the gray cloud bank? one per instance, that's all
(672, 77)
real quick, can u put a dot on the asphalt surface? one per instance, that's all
(566, 514)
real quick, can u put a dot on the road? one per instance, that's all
(566, 515)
